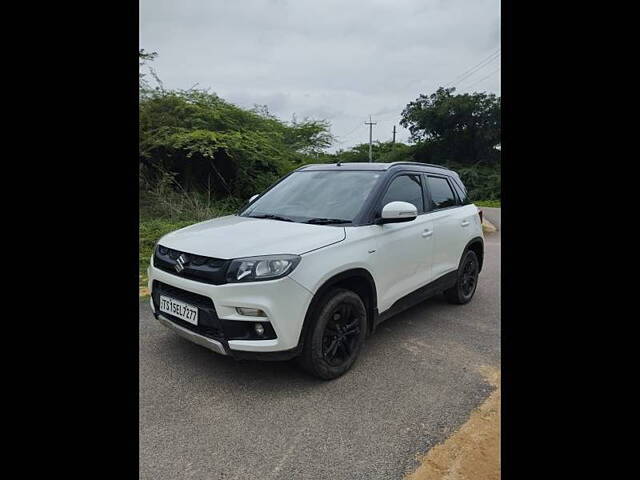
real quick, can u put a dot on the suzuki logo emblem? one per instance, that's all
(180, 263)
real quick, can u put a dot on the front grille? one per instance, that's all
(208, 322)
(196, 267)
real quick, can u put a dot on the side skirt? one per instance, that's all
(439, 285)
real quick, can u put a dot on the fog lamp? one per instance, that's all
(259, 329)
(250, 312)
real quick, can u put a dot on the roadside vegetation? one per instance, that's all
(164, 209)
(202, 157)
(488, 203)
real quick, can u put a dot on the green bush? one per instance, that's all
(482, 181)
(165, 198)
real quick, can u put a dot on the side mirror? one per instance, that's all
(395, 212)
(253, 198)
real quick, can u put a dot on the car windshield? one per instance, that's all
(323, 197)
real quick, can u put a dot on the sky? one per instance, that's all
(325, 59)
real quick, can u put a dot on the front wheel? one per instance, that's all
(337, 335)
(465, 286)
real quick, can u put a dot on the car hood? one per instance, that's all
(234, 237)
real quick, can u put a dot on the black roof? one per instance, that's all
(427, 167)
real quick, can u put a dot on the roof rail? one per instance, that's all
(393, 164)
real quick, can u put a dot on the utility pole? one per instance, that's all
(371, 124)
(394, 135)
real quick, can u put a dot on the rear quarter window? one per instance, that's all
(461, 191)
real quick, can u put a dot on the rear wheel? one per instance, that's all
(337, 335)
(462, 292)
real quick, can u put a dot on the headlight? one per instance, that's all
(269, 267)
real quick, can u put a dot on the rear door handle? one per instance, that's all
(427, 233)
(465, 223)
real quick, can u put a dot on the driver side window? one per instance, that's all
(405, 188)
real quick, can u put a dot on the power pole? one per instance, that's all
(371, 124)
(394, 135)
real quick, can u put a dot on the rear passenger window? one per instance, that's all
(441, 194)
(405, 188)
(462, 194)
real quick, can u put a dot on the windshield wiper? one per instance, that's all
(271, 217)
(326, 221)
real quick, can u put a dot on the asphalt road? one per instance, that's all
(205, 416)
(494, 215)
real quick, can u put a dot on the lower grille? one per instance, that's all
(208, 322)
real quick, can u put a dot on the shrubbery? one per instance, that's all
(211, 145)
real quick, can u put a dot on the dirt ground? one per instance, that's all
(473, 451)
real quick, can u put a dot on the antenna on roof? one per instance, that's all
(339, 164)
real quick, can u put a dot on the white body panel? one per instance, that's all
(234, 237)
(396, 255)
(453, 228)
(401, 257)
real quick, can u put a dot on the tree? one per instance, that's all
(213, 145)
(143, 58)
(383, 152)
(449, 128)
(308, 136)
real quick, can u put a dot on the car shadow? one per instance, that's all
(273, 375)
(265, 375)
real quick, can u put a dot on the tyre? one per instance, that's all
(462, 292)
(337, 335)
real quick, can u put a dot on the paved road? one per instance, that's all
(204, 416)
(493, 215)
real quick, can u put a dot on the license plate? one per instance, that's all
(182, 310)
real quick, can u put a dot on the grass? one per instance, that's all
(488, 203)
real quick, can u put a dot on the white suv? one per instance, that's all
(311, 266)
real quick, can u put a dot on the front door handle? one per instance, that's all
(465, 223)
(427, 233)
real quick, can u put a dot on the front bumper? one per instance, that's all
(206, 342)
(284, 302)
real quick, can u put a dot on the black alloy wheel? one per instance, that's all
(341, 335)
(469, 276)
(337, 335)
(462, 292)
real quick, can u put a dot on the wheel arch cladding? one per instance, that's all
(477, 245)
(357, 280)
